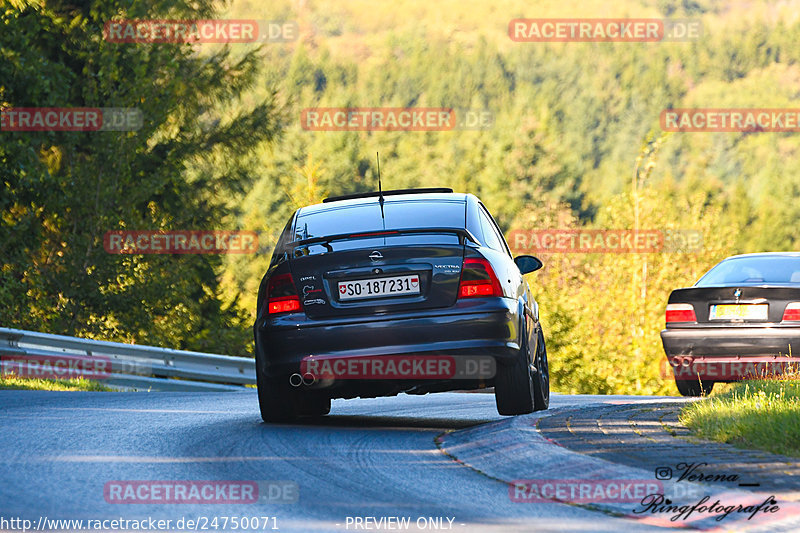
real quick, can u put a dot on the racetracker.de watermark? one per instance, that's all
(398, 367)
(687, 368)
(593, 30)
(71, 119)
(200, 31)
(394, 119)
(180, 242)
(200, 492)
(738, 120)
(69, 366)
(55, 366)
(604, 241)
(582, 490)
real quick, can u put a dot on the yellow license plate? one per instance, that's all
(738, 312)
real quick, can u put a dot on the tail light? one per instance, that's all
(792, 312)
(478, 279)
(282, 295)
(680, 313)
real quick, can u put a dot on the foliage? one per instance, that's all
(762, 414)
(63, 190)
(575, 143)
(11, 382)
(573, 123)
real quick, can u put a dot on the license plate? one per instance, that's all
(738, 312)
(377, 287)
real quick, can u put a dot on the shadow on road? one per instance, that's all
(383, 422)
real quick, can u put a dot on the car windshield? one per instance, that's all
(756, 270)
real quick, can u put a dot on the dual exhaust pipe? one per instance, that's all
(307, 379)
(684, 361)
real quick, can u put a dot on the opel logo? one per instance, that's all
(376, 256)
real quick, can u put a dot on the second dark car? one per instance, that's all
(411, 291)
(740, 320)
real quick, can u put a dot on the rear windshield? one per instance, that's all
(755, 270)
(367, 217)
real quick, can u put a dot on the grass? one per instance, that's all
(9, 382)
(762, 414)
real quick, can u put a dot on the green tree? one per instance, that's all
(63, 190)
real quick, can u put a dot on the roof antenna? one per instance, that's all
(380, 189)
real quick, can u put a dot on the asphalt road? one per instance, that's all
(371, 459)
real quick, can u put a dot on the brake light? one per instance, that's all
(478, 279)
(792, 312)
(680, 313)
(281, 295)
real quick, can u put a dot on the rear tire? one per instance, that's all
(513, 384)
(694, 388)
(273, 400)
(541, 380)
(310, 404)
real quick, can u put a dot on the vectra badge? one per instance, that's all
(376, 255)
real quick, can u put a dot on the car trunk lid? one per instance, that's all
(736, 305)
(351, 259)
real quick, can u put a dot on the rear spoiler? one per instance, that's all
(463, 235)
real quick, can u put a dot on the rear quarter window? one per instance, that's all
(491, 233)
(283, 240)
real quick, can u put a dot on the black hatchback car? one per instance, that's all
(409, 291)
(741, 320)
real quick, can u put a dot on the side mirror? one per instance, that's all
(527, 263)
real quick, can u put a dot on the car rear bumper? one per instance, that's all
(731, 341)
(469, 330)
(731, 353)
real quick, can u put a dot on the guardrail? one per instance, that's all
(132, 366)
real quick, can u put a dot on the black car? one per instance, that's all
(740, 320)
(361, 287)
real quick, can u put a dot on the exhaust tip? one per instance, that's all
(295, 380)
